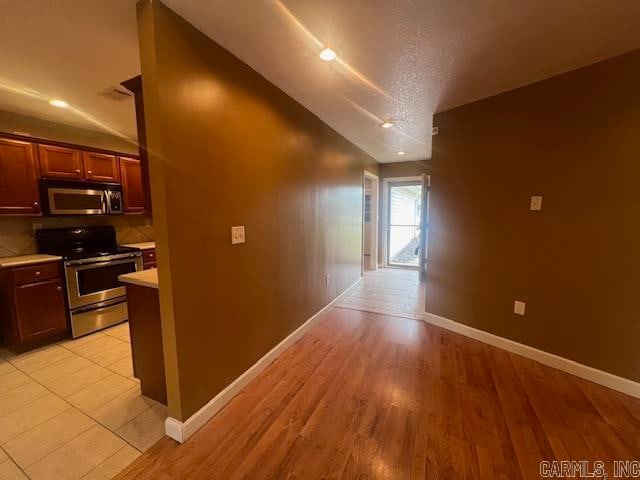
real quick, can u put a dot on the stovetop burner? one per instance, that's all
(77, 243)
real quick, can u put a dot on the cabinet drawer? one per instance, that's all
(149, 265)
(149, 256)
(35, 273)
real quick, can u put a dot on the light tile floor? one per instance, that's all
(392, 291)
(73, 410)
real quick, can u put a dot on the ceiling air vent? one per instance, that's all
(116, 94)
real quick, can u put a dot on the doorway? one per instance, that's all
(398, 289)
(370, 222)
(404, 208)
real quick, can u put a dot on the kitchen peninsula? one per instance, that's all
(146, 332)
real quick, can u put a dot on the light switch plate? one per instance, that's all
(518, 307)
(237, 235)
(536, 203)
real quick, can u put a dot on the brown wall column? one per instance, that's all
(228, 148)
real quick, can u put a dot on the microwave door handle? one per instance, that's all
(105, 202)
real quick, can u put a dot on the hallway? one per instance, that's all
(391, 291)
(364, 395)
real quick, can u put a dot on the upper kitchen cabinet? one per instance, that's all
(60, 162)
(134, 85)
(101, 167)
(132, 185)
(57, 162)
(18, 178)
(23, 160)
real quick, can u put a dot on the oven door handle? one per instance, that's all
(89, 266)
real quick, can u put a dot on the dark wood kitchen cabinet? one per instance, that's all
(149, 259)
(23, 160)
(18, 178)
(132, 185)
(33, 305)
(101, 167)
(60, 162)
(63, 163)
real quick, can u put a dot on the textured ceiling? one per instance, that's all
(397, 59)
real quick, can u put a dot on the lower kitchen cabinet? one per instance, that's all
(149, 258)
(34, 312)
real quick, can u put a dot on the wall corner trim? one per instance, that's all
(594, 375)
(181, 431)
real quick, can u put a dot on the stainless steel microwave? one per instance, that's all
(80, 198)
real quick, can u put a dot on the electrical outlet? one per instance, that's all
(237, 235)
(536, 203)
(518, 307)
(327, 279)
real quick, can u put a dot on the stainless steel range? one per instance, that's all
(92, 263)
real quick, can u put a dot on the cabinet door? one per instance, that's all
(18, 178)
(40, 310)
(132, 186)
(60, 162)
(100, 167)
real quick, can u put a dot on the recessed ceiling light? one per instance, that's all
(328, 54)
(400, 152)
(387, 124)
(58, 103)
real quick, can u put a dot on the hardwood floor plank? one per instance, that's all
(365, 395)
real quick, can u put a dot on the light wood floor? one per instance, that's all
(364, 395)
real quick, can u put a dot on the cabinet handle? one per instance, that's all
(151, 255)
(89, 172)
(59, 289)
(36, 205)
(37, 274)
(77, 170)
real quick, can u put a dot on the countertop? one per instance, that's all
(144, 278)
(24, 260)
(141, 245)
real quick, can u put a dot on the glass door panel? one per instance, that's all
(403, 235)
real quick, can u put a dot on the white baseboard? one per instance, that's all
(181, 431)
(594, 375)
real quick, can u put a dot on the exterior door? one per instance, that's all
(404, 213)
(424, 228)
(18, 178)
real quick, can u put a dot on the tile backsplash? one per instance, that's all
(17, 233)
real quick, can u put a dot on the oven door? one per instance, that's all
(95, 282)
(76, 201)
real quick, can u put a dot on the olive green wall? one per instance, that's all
(229, 148)
(575, 140)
